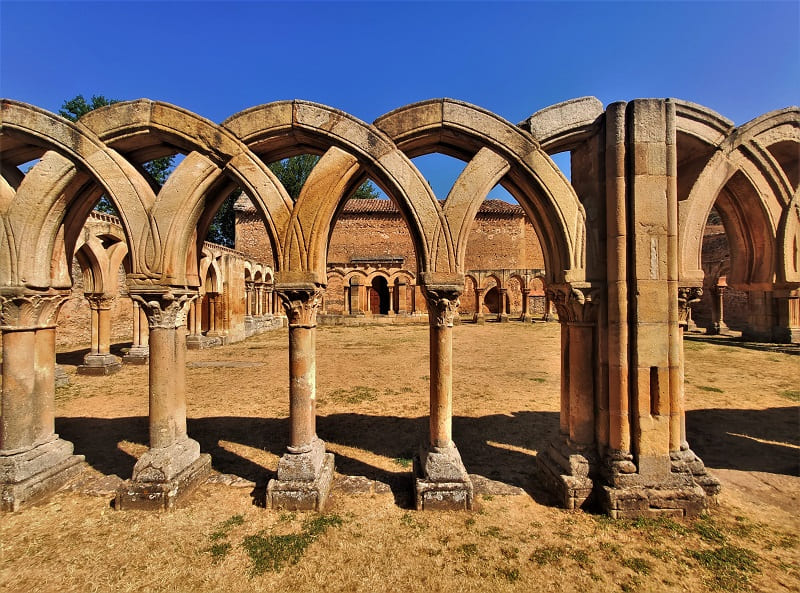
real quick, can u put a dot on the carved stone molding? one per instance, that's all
(301, 305)
(30, 310)
(575, 303)
(687, 296)
(166, 310)
(443, 303)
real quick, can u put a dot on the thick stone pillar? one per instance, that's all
(33, 460)
(479, 293)
(760, 316)
(355, 297)
(173, 465)
(787, 316)
(100, 361)
(402, 298)
(640, 476)
(441, 481)
(305, 472)
(570, 464)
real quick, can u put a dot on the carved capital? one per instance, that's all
(443, 304)
(687, 296)
(301, 305)
(575, 304)
(29, 311)
(165, 310)
(99, 301)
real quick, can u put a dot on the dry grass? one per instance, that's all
(372, 386)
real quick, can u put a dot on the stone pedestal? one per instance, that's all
(163, 477)
(441, 481)
(569, 473)
(137, 355)
(27, 475)
(100, 364)
(304, 480)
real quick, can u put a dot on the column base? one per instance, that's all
(479, 319)
(526, 319)
(569, 474)
(61, 376)
(686, 461)
(304, 480)
(194, 342)
(166, 495)
(502, 318)
(99, 364)
(30, 475)
(671, 490)
(137, 355)
(440, 480)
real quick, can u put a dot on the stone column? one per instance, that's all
(526, 297)
(760, 316)
(248, 295)
(305, 472)
(441, 481)
(479, 293)
(390, 290)
(194, 339)
(139, 352)
(100, 361)
(502, 304)
(570, 464)
(548, 306)
(33, 460)
(173, 465)
(717, 308)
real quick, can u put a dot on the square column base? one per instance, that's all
(163, 496)
(302, 495)
(28, 476)
(99, 365)
(566, 473)
(641, 501)
(137, 355)
(440, 480)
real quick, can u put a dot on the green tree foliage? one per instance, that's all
(223, 227)
(159, 169)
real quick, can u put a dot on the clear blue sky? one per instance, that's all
(216, 58)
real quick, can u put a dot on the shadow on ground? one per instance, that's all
(500, 447)
(75, 357)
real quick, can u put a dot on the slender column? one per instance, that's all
(173, 464)
(306, 470)
(717, 308)
(355, 296)
(502, 304)
(194, 339)
(402, 298)
(570, 464)
(269, 297)
(100, 361)
(390, 290)
(33, 460)
(526, 296)
(248, 295)
(479, 294)
(441, 479)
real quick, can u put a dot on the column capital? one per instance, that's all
(575, 303)
(99, 300)
(301, 303)
(443, 303)
(165, 310)
(687, 296)
(29, 310)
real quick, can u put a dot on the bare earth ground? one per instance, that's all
(743, 420)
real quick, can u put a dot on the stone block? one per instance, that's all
(29, 476)
(99, 365)
(302, 495)
(166, 495)
(440, 480)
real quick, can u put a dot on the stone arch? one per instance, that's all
(71, 157)
(496, 151)
(351, 150)
(789, 244)
(755, 194)
(215, 164)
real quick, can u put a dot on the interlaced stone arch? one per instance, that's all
(622, 435)
(496, 151)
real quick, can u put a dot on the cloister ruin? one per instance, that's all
(621, 244)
